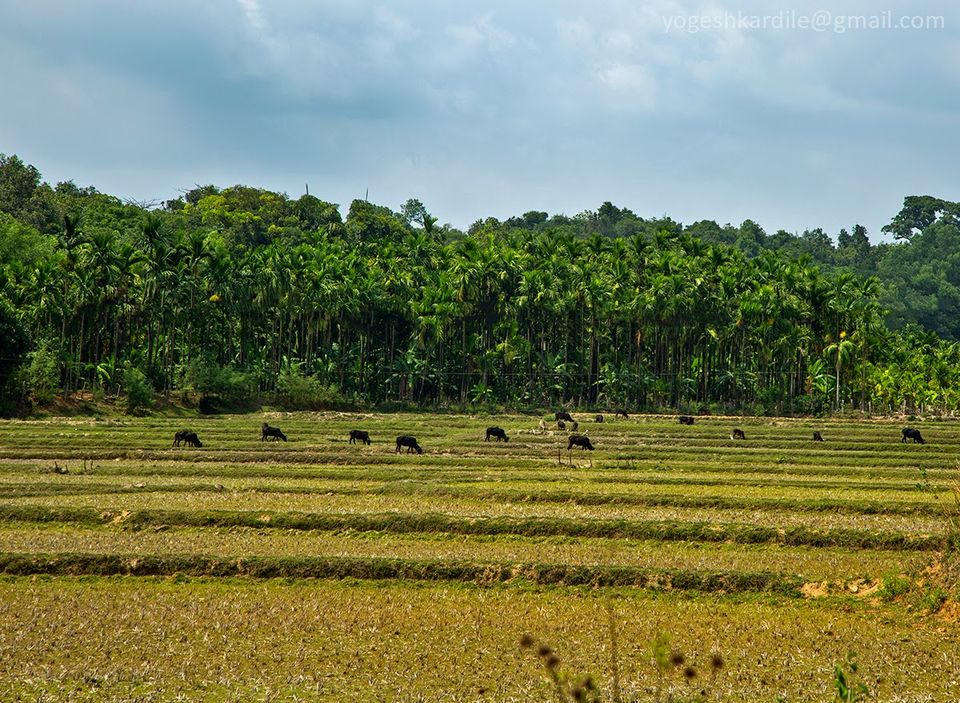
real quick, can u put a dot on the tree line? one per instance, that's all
(241, 293)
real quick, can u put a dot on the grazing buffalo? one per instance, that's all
(738, 434)
(622, 413)
(579, 440)
(274, 433)
(685, 420)
(359, 436)
(910, 433)
(187, 437)
(598, 418)
(561, 415)
(410, 443)
(561, 425)
(498, 433)
(817, 437)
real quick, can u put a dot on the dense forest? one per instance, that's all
(239, 294)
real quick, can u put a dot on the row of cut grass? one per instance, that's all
(374, 503)
(64, 564)
(531, 526)
(809, 563)
(927, 507)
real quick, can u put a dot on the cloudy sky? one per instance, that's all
(690, 109)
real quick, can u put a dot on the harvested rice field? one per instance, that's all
(315, 569)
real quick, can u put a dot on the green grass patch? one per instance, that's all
(404, 569)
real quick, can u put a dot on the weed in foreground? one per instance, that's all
(676, 674)
(846, 680)
(673, 666)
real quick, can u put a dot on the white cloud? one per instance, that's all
(629, 82)
(480, 35)
(492, 103)
(254, 16)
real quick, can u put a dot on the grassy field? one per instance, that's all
(320, 570)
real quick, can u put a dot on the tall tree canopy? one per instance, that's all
(601, 307)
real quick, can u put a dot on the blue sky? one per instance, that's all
(495, 108)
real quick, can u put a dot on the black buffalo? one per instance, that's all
(187, 437)
(599, 418)
(579, 440)
(622, 413)
(274, 433)
(910, 433)
(561, 425)
(817, 437)
(561, 415)
(359, 436)
(498, 433)
(410, 443)
(738, 434)
(685, 420)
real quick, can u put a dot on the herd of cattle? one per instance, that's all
(190, 438)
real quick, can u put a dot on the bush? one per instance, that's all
(296, 391)
(932, 599)
(894, 586)
(42, 375)
(217, 384)
(138, 388)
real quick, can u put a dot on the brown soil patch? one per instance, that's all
(861, 588)
(816, 589)
(950, 612)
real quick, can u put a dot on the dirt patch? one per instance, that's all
(861, 588)
(950, 612)
(816, 589)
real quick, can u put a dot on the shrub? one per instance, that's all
(894, 585)
(217, 384)
(138, 388)
(295, 391)
(933, 599)
(42, 375)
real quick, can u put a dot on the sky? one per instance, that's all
(810, 114)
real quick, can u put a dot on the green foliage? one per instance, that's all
(923, 280)
(23, 196)
(219, 384)
(296, 391)
(847, 683)
(14, 343)
(373, 223)
(138, 389)
(602, 307)
(932, 599)
(22, 244)
(894, 586)
(918, 213)
(41, 376)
